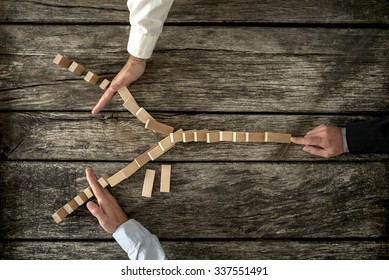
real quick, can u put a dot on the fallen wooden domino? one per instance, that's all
(158, 127)
(103, 181)
(165, 177)
(213, 136)
(91, 78)
(125, 93)
(148, 183)
(143, 115)
(277, 137)
(62, 61)
(131, 106)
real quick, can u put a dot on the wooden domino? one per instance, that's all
(143, 115)
(239, 137)
(91, 78)
(213, 136)
(256, 137)
(158, 127)
(155, 152)
(103, 181)
(142, 159)
(277, 137)
(76, 69)
(116, 178)
(188, 136)
(166, 144)
(59, 215)
(88, 192)
(226, 136)
(130, 169)
(165, 178)
(200, 135)
(104, 84)
(131, 106)
(62, 61)
(148, 183)
(176, 137)
(125, 94)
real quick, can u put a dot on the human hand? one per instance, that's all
(109, 214)
(131, 72)
(324, 140)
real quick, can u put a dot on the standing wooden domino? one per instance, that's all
(165, 177)
(91, 78)
(62, 61)
(148, 183)
(104, 84)
(76, 69)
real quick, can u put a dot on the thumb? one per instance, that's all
(95, 210)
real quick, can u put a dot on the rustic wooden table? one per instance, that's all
(229, 65)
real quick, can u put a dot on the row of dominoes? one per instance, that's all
(129, 101)
(77, 201)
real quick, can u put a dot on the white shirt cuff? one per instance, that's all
(345, 145)
(138, 242)
(141, 45)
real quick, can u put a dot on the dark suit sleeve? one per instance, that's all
(368, 136)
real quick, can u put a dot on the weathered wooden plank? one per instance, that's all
(191, 250)
(312, 11)
(121, 137)
(206, 69)
(207, 200)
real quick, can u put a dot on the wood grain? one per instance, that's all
(202, 69)
(199, 11)
(249, 200)
(121, 137)
(192, 250)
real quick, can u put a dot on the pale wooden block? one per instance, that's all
(226, 136)
(166, 144)
(143, 115)
(213, 136)
(277, 137)
(76, 69)
(130, 169)
(155, 152)
(105, 84)
(56, 218)
(142, 159)
(116, 178)
(91, 78)
(188, 136)
(73, 204)
(200, 135)
(68, 208)
(165, 177)
(79, 200)
(148, 183)
(131, 106)
(60, 215)
(83, 197)
(88, 192)
(176, 136)
(239, 137)
(103, 181)
(125, 94)
(256, 137)
(62, 61)
(158, 127)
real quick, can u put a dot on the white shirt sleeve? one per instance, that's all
(138, 242)
(147, 18)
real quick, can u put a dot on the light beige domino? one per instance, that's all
(62, 61)
(130, 169)
(155, 152)
(165, 177)
(116, 178)
(125, 94)
(226, 136)
(148, 183)
(143, 115)
(76, 69)
(105, 84)
(91, 78)
(158, 127)
(277, 137)
(103, 181)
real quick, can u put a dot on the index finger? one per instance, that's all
(95, 186)
(107, 96)
(307, 140)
